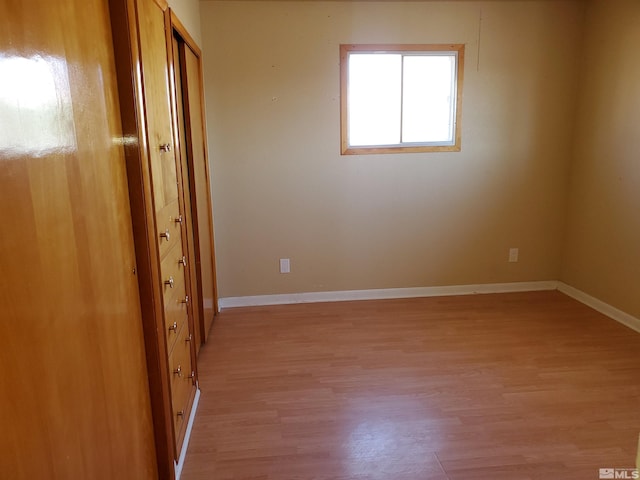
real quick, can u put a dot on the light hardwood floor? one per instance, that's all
(507, 386)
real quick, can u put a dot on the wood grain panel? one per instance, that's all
(172, 272)
(155, 75)
(196, 302)
(168, 220)
(183, 383)
(74, 400)
(165, 174)
(127, 48)
(175, 315)
(190, 125)
(485, 387)
(200, 185)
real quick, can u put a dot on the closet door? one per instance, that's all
(199, 182)
(190, 125)
(188, 209)
(169, 219)
(74, 397)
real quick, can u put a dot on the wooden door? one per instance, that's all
(169, 215)
(195, 165)
(199, 183)
(180, 128)
(74, 398)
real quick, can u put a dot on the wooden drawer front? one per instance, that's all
(175, 314)
(182, 410)
(187, 394)
(172, 272)
(182, 385)
(167, 223)
(180, 361)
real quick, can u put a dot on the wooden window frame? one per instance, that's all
(345, 50)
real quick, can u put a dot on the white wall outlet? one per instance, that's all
(285, 265)
(513, 255)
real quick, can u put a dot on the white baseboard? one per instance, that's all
(602, 307)
(388, 293)
(187, 435)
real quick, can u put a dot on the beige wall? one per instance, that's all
(188, 11)
(281, 189)
(603, 232)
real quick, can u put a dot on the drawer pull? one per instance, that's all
(192, 376)
(180, 413)
(183, 261)
(186, 300)
(165, 147)
(166, 235)
(169, 282)
(189, 338)
(178, 219)
(178, 371)
(174, 327)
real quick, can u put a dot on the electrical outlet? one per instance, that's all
(285, 265)
(513, 255)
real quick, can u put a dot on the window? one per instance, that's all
(400, 98)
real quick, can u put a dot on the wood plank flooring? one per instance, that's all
(507, 386)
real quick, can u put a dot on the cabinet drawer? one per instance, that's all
(180, 361)
(168, 222)
(182, 410)
(175, 315)
(182, 382)
(172, 272)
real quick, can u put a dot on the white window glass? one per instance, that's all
(428, 98)
(374, 99)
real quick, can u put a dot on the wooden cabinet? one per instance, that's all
(169, 221)
(162, 221)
